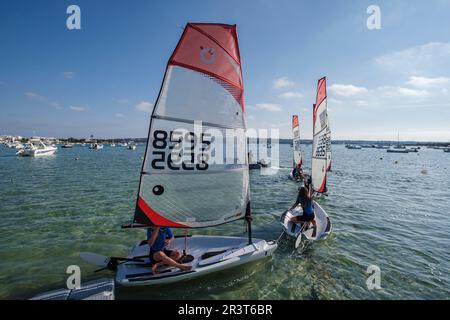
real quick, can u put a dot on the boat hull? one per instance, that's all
(210, 253)
(37, 152)
(323, 223)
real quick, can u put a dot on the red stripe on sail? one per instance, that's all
(294, 121)
(329, 166)
(321, 90)
(322, 187)
(212, 49)
(155, 217)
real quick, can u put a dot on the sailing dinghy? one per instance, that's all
(318, 176)
(297, 155)
(180, 184)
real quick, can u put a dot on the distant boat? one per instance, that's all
(397, 150)
(37, 150)
(112, 145)
(353, 146)
(447, 150)
(67, 145)
(131, 145)
(96, 146)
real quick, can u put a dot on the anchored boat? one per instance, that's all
(182, 185)
(36, 148)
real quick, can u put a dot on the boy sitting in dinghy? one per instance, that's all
(158, 239)
(304, 198)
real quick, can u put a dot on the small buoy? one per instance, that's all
(142, 158)
(77, 158)
(381, 158)
(424, 171)
(396, 162)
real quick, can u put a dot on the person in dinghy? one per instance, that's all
(304, 198)
(297, 173)
(159, 238)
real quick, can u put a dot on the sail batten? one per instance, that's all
(183, 183)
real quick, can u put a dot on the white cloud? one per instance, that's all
(412, 92)
(78, 108)
(346, 90)
(269, 107)
(424, 82)
(282, 82)
(34, 95)
(68, 74)
(429, 58)
(291, 94)
(144, 106)
(119, 115)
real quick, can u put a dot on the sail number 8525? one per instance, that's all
(175, 150)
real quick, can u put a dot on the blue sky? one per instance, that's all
(103, 79)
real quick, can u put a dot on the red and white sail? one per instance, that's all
(328, 145)
(296, 141)
(319, 150)
(202, 82)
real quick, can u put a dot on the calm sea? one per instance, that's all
(389, 210)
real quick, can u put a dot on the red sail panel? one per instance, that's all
(212, 50)
(294, 121)
(321, 94)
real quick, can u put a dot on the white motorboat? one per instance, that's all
(36, 149)
(96, 146)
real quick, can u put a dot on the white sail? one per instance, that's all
(328, 145)
(180, 186)
(296, 141)
(319, 150)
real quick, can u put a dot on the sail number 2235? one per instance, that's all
(176, 150)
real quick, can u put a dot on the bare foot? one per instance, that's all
(155, 268)
(185, 267)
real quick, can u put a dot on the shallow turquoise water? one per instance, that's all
(384, 213)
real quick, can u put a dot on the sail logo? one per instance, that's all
(208, 55)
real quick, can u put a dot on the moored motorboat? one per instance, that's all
(36, 149)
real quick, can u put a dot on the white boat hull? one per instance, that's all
(229, 252)
(37, 152)
(323, 223)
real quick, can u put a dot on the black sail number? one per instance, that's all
(180, 156)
